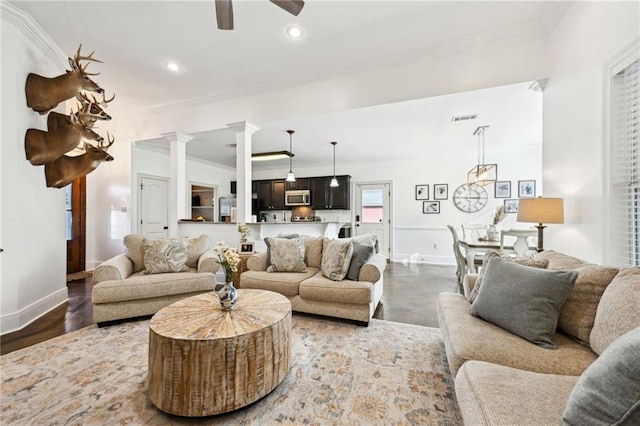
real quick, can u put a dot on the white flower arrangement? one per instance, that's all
(228, 258)
(244, 231)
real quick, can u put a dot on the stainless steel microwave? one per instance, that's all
(301, 197)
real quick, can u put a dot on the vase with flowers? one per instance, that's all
(244, 231)
(492, 232)
(229, 259)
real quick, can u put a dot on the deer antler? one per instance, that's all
(80, 57)
(111, 140)
(104, 102)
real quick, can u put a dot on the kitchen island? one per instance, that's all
(228, 232)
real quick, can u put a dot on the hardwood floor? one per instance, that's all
(410, 293)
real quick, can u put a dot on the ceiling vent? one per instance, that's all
(231, 145)
(464, 117)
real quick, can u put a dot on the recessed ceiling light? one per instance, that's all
(173, 66)
(294, 32)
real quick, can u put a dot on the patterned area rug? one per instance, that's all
(341, 373)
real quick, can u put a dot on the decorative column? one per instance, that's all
(178, 180)
(244, 131)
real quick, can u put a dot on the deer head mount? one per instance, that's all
(65, 133)
(92, 110)
(44, 94)
(66, 169)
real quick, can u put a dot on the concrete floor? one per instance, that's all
(410, 292)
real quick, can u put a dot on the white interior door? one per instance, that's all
(372, 213)
(154, 207)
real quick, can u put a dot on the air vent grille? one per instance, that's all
(231, 145)
(464, 117)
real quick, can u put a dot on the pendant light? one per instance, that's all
(290, 176)
(482, 174)
(334, 181)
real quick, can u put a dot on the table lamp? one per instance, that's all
(541, 210)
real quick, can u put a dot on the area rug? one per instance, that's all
(341, 374)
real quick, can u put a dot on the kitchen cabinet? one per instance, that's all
(300, 183)
(234, 184)
(271, 194)
(324, 197)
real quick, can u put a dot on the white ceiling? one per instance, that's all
(136, 38)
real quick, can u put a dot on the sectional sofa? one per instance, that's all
(504, 379)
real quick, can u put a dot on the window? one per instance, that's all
(372, 206)
(625, 165)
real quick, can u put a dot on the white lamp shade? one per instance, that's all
(541, 210)
(290, 177)
(334, 182)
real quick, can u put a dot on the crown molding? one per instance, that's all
(34, 32)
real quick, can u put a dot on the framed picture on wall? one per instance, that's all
(511, 206)
(440, 191)
(422, 192)
(503, 189)
(526, 188)
(431, 207)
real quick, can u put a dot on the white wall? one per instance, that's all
(32, 216)
(589, 35)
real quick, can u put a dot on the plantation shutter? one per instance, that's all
(625, 169)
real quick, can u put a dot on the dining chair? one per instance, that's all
(461, 258)
(524, 245)
(472, 231)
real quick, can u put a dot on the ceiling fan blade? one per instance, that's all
(224, 14)
(292, 6)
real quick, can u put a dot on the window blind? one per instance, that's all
(625, 166)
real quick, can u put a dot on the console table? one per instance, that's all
(205, 361)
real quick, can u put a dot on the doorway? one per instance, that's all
(153, 212)
(373, 213)
(75, 226)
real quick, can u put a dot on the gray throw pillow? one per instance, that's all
(287, 255)
(361, 254)
(608, 392)
(523, 300)
(267, 242)
(543, 263)
(336, 257)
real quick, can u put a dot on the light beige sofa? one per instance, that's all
(313, 293)
(124, 291)
(502, 379)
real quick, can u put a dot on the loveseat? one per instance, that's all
(315, 289)
(139, 283)
(504, 379)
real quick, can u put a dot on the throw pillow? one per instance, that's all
(287, 255)
(579, 311)
(367, 240)
(312, 250)
(559, 260)
(523, 300)
(542, 264)
(618, 309)
(336, 256)
(361, 254)
(608, 392)
(267, 242)
(135, 251)
(165, 255)
(195, 248)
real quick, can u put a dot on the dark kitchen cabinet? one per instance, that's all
(271, 194)
(254, 187)
(300, 183)
(324, 197)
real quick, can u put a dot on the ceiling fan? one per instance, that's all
(224, 11)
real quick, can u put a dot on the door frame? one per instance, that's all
(354, 195)
(138, 227)
(78, 225)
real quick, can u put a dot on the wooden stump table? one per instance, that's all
(205, 361)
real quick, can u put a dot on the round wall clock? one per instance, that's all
(470, 198)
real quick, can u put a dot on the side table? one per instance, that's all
(242, 266)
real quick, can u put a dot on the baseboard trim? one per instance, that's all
(18, 320)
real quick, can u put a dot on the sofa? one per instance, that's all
(310, 290)
(502, 378)
(131, 285)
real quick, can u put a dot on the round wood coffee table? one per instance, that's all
(205, 361)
